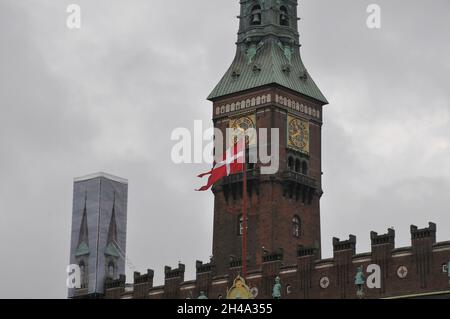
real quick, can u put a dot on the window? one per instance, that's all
(304, 168)
(255, 16)
(241, 225)
(111, 269)
(288, 289)
(297, 166)
(284, 17)
(291, 163)
(296, 226)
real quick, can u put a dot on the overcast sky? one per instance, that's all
(107, 97)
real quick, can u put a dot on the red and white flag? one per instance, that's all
(232, 162)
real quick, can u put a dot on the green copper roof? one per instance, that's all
(111, 250)
(268, 51)
(82, 249)
(270, 65)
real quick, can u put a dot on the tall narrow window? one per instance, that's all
(296, 226)
(241, 225)
(284, 17)
(291, 163)
(297, 165)
(304, 168)
(255, 16)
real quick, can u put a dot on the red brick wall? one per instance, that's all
(270, 212)
(424, 261)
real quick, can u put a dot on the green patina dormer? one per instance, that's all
(268, 51)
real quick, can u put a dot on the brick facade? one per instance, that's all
(274, 200)
(424, 261)
(269, 81)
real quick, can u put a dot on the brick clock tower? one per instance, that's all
(268, 86)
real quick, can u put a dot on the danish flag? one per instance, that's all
(232, 162)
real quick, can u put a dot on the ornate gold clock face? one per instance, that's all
(244, 125)
(298, 134)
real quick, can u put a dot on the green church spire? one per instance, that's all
(268, 51)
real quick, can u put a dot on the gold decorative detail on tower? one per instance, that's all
(298, 134)
(239, 290)
(245, 125)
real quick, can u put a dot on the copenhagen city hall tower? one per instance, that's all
(268, 86)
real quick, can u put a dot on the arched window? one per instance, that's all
(284, 17)
(241, 225)
(111, 269)
(297, 165)
(296, 226)
(291, 163)
(255, 16)
(304, 168)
